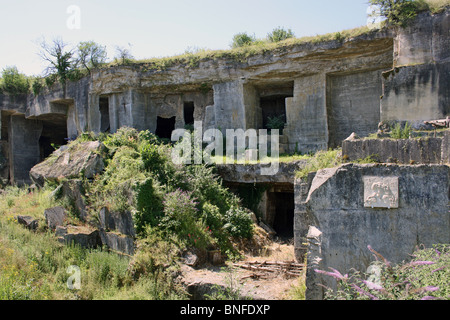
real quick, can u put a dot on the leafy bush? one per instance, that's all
(91, 55)
(149, 205)
(242, 40)
(423, 278)
(280, 34)
(238, 223)
(399, 132)
(14, 82)
(400, 12)
(207, 186)
(276, 122)
(37, 85)
(181, 216)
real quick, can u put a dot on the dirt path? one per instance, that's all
(255, 285)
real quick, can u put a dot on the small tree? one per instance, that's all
(399, 12)
(14, 82)
(242, 40)
(123, 55)
(91, 55)
(279, 34)
(60, 59)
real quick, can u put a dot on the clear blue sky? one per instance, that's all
(156, 28)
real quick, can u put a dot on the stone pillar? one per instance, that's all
(229, 106)
(306, 115)
(114, 105)
(141, 115)
(24, 150)
(72, 122)
(94, 121)
(253, 113)
(416, 89)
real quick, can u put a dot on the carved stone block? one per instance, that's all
(381, 192)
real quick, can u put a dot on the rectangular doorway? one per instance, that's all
(189, 113)
(104, 114)
(164, 127)
(281, 213)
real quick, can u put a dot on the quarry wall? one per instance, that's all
(391, 208)
(324, 91)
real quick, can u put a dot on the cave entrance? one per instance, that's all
(271, 107)
(281, 206)
(104, 114)
(164, 127)
(189, 113)
(54, 133)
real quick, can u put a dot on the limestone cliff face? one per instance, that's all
(322, 90)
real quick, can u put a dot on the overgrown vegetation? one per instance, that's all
(402, 12)
(34, 265)
(13, 82)
(175, 208)
(320, 160)
(188, 201)
(280, 34)
(425, 277)
(401, 132)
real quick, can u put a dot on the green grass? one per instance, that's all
(193, 58)
(320, 160)
(33, 265)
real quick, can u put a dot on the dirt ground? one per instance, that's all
(253, 284)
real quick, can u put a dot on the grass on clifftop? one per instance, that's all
(193, 57)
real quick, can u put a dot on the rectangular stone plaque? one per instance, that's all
(380, 192)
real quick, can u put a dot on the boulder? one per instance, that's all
(117, 242)
(71, 162)
(74, 191)
(55, 217)
(28, 222)
(118, 221)
(82, 236)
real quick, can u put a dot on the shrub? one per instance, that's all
(280, 34)
(401, 133)
(14, 82)
(207, 186)
(149, 206)
(114, 189)
(37, 85)
(181, 216)
(400, 12)
(125, 136)
(242, 40)
(276, 122)
(423, 278)
(239, 223)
